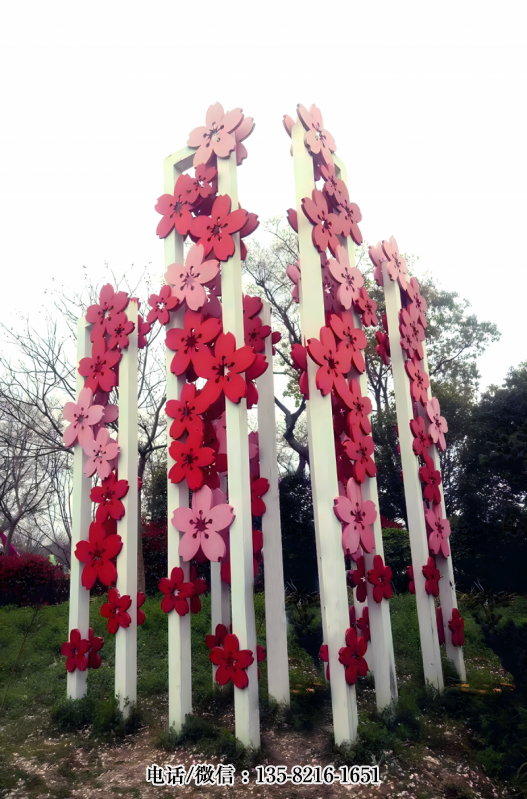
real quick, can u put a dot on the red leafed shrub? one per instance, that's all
(30, 580)
(154, 554)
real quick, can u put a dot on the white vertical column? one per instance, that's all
(275, 619)
(383, 658)
(179, 644)
(447, 583)
(79, 613)
(412, 490)
(247, 711)
(126, 639)
(322, 461)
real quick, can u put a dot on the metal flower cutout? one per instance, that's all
(357, 578)
(214, 232)
(327, 225)
(334, 188)
(190, 459)
(418, 301)
(366, 307)
(349, 218)
(216, 137)
(438, 425)
(187, 280)
(223, 370)
(357, 517)
(439, 531)
(176, 208)
(75, 652)
(115, 611)
(383, 347)
(96, 643)
(352, 656)
(334, 362)
(361, 408)
(419, 383)
(380, 577)
(201, 526)
(190, 342)
(216, 638)
(119, 328)
(431, 477)
(96, 553)
(350, 278)
(457, 626)
(81, 415)
(177, 592)
(359, 448)
(259, 487)
(432, 577)
(422, 441)
(108, 496)
(99, 369)
(353, 338)
(231, 662)
(161, 305)
(101, 452)
(185, 411)
(141, 617)
(299, 358)
(317, 139)
(396, 265)
(110, 304)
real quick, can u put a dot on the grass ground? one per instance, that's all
(49, 747)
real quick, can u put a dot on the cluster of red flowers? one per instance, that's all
(428, 427)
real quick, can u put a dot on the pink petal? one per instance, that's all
(182, 518)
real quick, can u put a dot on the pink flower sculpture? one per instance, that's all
(383, 347)
(190, 460)
(101, 452)
(324, 657)
(410, 573)
(357, 517)
(353, 337)
(410, 317)
(120, 329)
(440, 627)
(108, 496)
(217, 136)
(141, 599)
(191, 341)
(241, 133)
(431, 477)
(419, 382)
(75, 651)
(201, 526)
(176, 208)
(432, 577)
(439, 532)
(327, 226)
(352, 656)
(361, 408)
(256, 333)
(396, 266)
(418, 301)
(115, 611)
(380, 577)
(357, 578)
(187, 280)
(185, 411)
(457, 626)
(335, 189)
(349, 218)
(350, 279)
(176, 591)
(110, 304)
(216, 638)
(231, 662)
(96, 643)
(299, 358)
(377, 257)
(99, 369)
(214, 232)
(223, 370)
(366, 307)
(259, 487)
(96, 553)
(422, 441)
(161, 305)
(359, 448)
(438, 424)
(317, 139)
(81, 415)
(334, 362)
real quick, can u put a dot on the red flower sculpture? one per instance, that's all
(115, 611)
(141, 599)
(96, 643)
(357, 517)
(349, 218)
(223, 369)
(359, 448)
(422, 441)
(410, 317)
(100, 454)
(217, 638)
(191, 458)
(380, 577)
(176, 591)
(185, 411)
(110, 304)
(353, 337)
(324, 657)
(334, 362)
(190, 342)
(396, 266)
(383, 347)
(438, 426)
(187, 280)
(327, 226)
(361, 408)
(120, 329)
(334, 188)
(214, 232)
(432, 577)
(162, 304)
(82, 415)
(411, 584)
(256, 333)
(419, 382)
(417, 300)
(202, 525)
(350, 279)
(317, 140)
(457, 625)
(363, 624)
(352, 656)
(75, 651)
(357, 578)
(108, 496)
(176, 208)
(431, 477)
(231, 662)
(217, 136)
(96, 553)
(366, 307)
(98, 370)
(259, 487)
(439, 532)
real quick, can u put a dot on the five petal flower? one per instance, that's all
(352, 656)
(217, 136)
(99, 369)
(75, 651)
(317, 139)
(187, 280)
(201, 526)
(223, 369)
(190, 460)
(231, 662)
(438, 425)
(357, 516)
(350, 279)
(214, 232)
(82, 415)
(177, 592)
(96, 553)
(115, 611)
(334, 362)
(439, 531)
(327, 225)
(109, 495)
(457, 626)
(100, 452)
(380, 577)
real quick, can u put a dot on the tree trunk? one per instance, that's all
(141, 581)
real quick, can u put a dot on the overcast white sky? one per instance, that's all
(427, 103)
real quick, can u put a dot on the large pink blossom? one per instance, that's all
(350, 278)
(327, 225)
(216, 137)
(439, 531)
(317, 139)
(82, 415)
(438, 425)
(201, 526)
(334, 362)
(187, 280)
(357, 516)
(214, 232)
(100, 452)
(396, 266)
